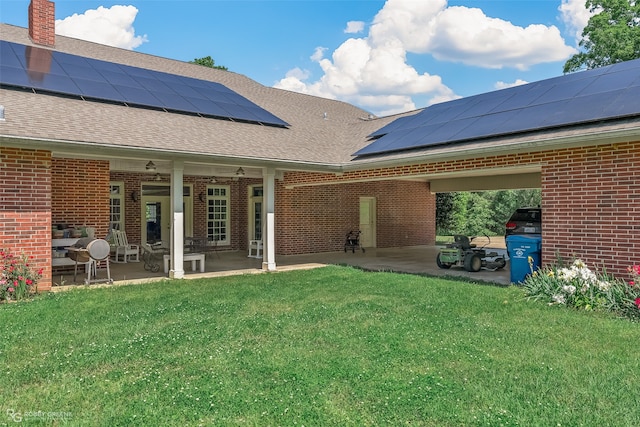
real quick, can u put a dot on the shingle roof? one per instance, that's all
(322, 131)
(324, 134)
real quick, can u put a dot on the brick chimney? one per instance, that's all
(42, 22)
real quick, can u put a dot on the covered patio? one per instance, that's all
(411, 260)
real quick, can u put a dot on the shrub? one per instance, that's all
(18, 279)
(581, 288)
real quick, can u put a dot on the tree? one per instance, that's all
(476, 213)
(208, 61)
(612, 35)
(444, 213)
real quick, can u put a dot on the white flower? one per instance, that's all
(569, 289)
(585, 274)
(566, 274)
(604, 285)
(558, 299)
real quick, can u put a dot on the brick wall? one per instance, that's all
(591, 206)
(25, 207)
(80, 193)
(317, 218)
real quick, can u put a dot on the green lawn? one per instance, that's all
(328, 347)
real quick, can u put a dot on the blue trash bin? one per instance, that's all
(522, 248)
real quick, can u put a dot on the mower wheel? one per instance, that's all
(473, 262)
(442, 264)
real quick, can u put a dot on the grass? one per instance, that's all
(331, 346)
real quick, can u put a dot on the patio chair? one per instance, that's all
(124, 249)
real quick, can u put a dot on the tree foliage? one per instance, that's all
(612, 35)
(478, 213)
(208, 61)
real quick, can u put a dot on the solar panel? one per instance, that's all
(605, 93)
(66, 74)
(90, 88)
(13, 76)
(396, 124)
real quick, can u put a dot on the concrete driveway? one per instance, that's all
(411, 259)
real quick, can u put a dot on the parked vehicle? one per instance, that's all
(525, 221)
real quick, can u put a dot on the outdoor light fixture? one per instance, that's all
(151, 166)
(202, 197)
(240, 172)
(135, 195)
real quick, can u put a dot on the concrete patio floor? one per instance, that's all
(412, 260)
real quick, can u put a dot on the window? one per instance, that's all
(218, 214)
(116, 206)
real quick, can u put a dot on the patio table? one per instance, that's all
(193, 257)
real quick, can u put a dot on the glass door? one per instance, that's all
(157, 219)
(255, 213)
(156, 213)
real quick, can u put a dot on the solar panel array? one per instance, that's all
(61, 73)
(601, 94)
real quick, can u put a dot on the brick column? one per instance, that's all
(25, 207)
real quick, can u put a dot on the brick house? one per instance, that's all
(294, 181)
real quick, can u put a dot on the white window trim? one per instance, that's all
(227, 198)
(120, 196)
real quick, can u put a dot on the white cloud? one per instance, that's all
(373, 71)
(575, 16)
(294, 80)
(110, 26)
(318, 54)
(504, 85)
(354, 27)
(468, 36)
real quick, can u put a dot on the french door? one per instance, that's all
(255, 213)
(156, 213)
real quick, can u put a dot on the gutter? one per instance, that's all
(106, 151)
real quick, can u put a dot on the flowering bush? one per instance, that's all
(579, 287)
(17, 278)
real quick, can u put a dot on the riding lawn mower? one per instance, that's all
(463, 253)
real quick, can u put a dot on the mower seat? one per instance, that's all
(463, 242)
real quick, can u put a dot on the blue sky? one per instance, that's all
(384, 56)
